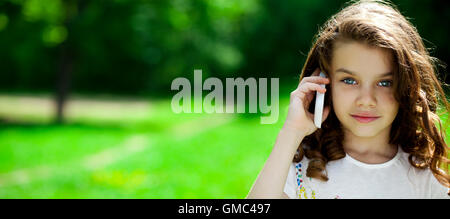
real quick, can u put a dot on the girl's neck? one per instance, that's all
(372, 150)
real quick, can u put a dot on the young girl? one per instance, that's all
(380, 136)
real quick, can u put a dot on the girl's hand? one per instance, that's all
(298, 118)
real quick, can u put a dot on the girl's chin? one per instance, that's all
(363, 131)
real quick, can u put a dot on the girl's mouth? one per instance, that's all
(363, 119)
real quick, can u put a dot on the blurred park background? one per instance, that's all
(85, 91)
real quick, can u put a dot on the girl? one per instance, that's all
(380, 136)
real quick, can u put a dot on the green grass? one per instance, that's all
(159, 155)
(132, 151)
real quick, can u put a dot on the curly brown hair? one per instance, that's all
(420, 93)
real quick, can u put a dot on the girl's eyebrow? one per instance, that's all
(343, 70)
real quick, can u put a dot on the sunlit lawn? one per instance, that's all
(140, 151)
(129, 149)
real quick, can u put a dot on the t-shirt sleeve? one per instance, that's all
(431, 188)
(289, 187)
(437, 190)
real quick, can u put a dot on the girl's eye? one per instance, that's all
(348, 81)
(385, 83)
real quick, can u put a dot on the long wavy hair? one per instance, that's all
(417, 88)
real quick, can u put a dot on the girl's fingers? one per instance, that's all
(306, 90)
(313, 79)
(309, 86)
(316, 79)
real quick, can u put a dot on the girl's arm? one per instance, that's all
(272, 178)
(299, 123)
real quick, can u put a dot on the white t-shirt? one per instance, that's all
(350, 178)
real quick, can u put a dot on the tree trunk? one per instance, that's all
(63, 82)
(66, 61)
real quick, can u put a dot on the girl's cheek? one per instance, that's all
(342, 92)
(388, 96)
(342, 97)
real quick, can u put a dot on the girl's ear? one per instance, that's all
(326, 112)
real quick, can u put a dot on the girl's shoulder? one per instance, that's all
(423, 180)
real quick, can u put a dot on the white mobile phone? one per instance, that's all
(318, 110)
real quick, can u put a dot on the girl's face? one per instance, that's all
(362, 92)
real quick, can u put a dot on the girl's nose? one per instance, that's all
(366, 98)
